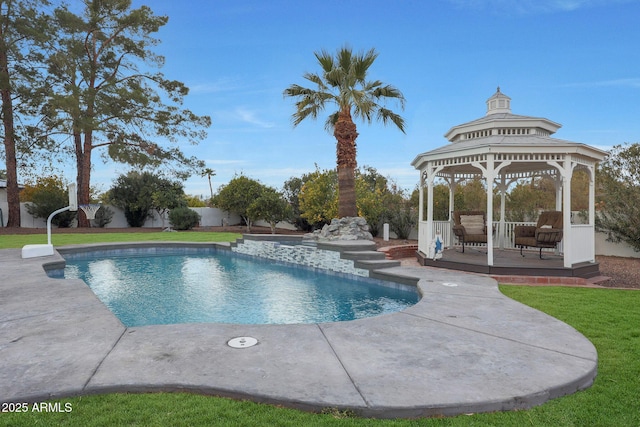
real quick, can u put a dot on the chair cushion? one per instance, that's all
(473, 224)
(525, 241)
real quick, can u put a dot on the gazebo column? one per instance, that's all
(489, 174)
(566, 171)
(566, 219)
(429, 174)
(502, 188)
(558, 182)
(453, 184)
(421, 200)
(592, 208)
(452, 195)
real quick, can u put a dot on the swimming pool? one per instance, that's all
(220, 287)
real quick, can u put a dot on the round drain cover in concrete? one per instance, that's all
(242, 342)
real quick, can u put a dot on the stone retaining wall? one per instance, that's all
(308, 256)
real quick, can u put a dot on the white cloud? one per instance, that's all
(241, 115)
(251, 117)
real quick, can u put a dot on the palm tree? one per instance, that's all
(208, 172)
(344, 83)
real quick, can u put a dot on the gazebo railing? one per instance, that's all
(582, 240)
(444, 229)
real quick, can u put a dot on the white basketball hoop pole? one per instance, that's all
(31, 251)
(73, 206)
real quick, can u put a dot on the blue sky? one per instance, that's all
(576, 62)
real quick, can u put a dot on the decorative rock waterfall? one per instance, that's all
(348, 228)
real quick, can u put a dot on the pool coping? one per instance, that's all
(463, 348)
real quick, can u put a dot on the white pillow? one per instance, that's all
(473, 224)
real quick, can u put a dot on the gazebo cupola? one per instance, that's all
(501, 148)
(500, 121)
(498, 103)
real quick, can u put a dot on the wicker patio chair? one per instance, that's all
(547, 233)
(470, 227)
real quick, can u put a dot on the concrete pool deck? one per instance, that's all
(464, 348)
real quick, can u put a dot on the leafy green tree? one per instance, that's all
(371, 191)
(103, 96)
(521, 203)
(23, 28)
(271, 207)
(195, 201)
(238, 195)
(138, 193)
(166, 196)
(529, 197)
(441, 206)
(318, 197)
(46, 196)
(344, 84)
(618, 181)
(474, 195)
(401, 212)
(291, 190)
(580, 190)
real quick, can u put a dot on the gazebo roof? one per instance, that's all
(523, 140)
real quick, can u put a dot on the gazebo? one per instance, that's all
(501, 148)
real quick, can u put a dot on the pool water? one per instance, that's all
(224, 288)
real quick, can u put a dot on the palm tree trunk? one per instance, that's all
(346, 134)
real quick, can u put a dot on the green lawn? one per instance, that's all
(18, 240)
(609, 318)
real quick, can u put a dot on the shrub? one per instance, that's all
(183, 218)
(104, 215)
(46, 196)
(138, 193)
(403, 219)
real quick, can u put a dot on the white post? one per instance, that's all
(32, 251)
(385, 232)
(567, 171)
(54, 213)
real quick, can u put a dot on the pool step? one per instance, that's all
(362, 255)
(375, 264)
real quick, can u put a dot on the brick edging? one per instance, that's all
(399, 251)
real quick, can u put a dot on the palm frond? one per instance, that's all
(362, 63)
(389, 91)
(343, 82)
(386, 116)
(325, 59)
(331, 121)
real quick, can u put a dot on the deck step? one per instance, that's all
(362, 255)
(376, 264)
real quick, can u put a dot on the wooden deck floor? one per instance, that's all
(509, 262)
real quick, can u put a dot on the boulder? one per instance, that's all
(348, 228)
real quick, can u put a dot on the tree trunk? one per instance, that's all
(13, 192)
(346, 134)
(83, 172)
(84, 179)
